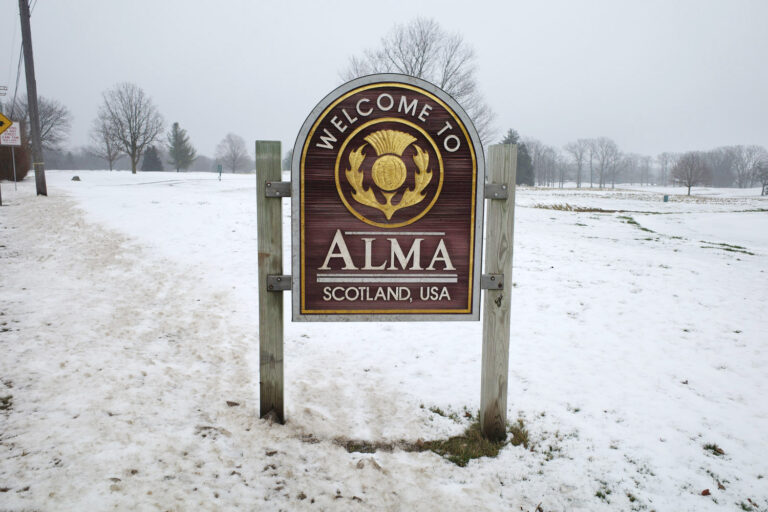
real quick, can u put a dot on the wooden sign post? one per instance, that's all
(270, 242)
(388, 186)
(502, 164)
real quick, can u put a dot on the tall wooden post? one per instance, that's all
(34, 118)
(502, 165)
(270, 242)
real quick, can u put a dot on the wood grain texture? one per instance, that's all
(270, 244)
(502, 166)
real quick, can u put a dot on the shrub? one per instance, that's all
(23, 162)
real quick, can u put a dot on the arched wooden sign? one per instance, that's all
(387, 186)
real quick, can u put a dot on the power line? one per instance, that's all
(18, 67)
(16, 87)
(13, 44)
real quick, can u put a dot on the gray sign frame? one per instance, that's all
(297, 316)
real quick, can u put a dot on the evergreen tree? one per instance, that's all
(524, 162)
(151, 160)
(288, 159)
(180, 151)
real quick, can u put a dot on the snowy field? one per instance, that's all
(129, 364)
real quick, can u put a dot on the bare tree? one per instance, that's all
(666, 162)
(762, 176)
(104, 142)
(548, 162)
(421, 48)
(231, 151)
(645, 170)
(746, 160)
(608, 158)
(132, 118)
(691, 169)
(563, 168)
(722, 163)
(616, 166)
(592, 149)
(578, 151)
(55, 120)
(636, 168)
(630, 166)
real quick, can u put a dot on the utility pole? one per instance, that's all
(34, 116)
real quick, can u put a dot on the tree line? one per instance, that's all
(598, 162)
(128, 126)
(422, 48)
(127, 132)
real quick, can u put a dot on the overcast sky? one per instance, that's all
(653, 75)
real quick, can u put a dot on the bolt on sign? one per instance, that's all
(388, 171)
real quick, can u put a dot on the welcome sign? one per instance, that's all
(387, 187)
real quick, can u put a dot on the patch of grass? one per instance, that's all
(458, 449)
(437, 410)
(716, 450)
(6, 402)
(570, 208)
(551, 452)
(603, 494)
(737, 250)
(519, 434)
(746, 507)
(726, 247)
(629, 220)
(450, 415)
(465, 447)
(365, 447)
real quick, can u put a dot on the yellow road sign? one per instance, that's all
(5, 123)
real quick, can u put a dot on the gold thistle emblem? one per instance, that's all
(389, 171)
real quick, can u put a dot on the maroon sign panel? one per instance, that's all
(388, 205)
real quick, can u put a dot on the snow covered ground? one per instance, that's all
(129, 360)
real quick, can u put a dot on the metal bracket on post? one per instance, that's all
(492, 281)
(496, 191)
(278, 189)
(278, 283)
